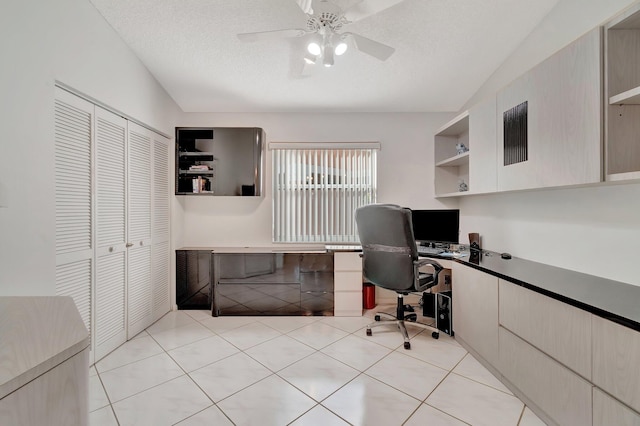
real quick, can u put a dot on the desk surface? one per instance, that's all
(614, 300)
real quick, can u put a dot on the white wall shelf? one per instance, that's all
(457, 160)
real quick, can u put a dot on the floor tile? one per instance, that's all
(348, 324)
(407, 374)
(250, 335)
(280, 352)
(131, 351)
(317, 335)
(366, 401)
(97, 395)
(427, 415)
(165, 404)
(203, 352)
(356, 352)
(171, 320)
(286, 324)
(198, 315)
(221, 324)
(103, 417)
(207, 417)
(271, 401)
(530, 419)
(470, 368)
(183, 335)
(318, 375)
(132, 378)
(433, 351)
(319, 415)
(228, 376)
(475, 403)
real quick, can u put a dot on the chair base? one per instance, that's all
(383, 318)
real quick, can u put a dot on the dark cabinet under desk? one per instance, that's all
(193, 279)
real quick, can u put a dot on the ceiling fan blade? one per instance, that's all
(372, 47)
(306, 6)
(366, 8)
(270, 35)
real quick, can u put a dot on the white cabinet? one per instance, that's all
(616, 351)
(347, 284)
(558, 329)
(622, 96)
(563, 395)
(608, 411)
(563, 120)
(475, 310)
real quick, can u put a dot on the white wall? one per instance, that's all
(405, 169)
(41, 42)
(592, 230)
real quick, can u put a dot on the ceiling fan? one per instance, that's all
(324, 24)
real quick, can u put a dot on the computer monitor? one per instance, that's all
(436, 226)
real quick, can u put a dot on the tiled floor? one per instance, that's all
(193, 369)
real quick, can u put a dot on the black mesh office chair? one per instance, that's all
(390, 260)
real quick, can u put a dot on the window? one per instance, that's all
(318, 187)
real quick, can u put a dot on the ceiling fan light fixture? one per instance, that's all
(341, 48)
(327, 58)
(310, 59)
(314, 48)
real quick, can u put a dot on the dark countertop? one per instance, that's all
(613, 300)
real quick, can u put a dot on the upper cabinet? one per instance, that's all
(622, 96)
(219, 161)
(549, 121)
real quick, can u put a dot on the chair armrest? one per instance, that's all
(423, 261)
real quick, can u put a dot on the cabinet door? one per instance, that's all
(475, 310)
(560, 330)
(111, 135)
(73, 124)
(482, 154)
(564, 119)
(160, 254)
(139, 293)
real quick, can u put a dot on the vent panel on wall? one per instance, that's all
(160, 278)
(73, 178)
(160, 211)
(111, 173)
(73, 279)
(139, 280)
(110, 312)
(139, 186)
(515, 134)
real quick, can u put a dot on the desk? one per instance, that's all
(564, 342)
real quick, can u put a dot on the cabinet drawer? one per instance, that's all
(609, 411)
(347, 281)
(347, 261)
(347, 303)
(616, 350)
(560, 330)
(563, 395)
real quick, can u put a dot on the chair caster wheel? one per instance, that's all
(407, 345)
(369, 332)
(377, 318)
(435, 335)
(411, 317)
(408, 308)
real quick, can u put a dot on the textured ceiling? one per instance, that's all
(445, 50)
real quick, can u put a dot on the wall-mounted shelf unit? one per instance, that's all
(219, 161)
(622, 113)
(451, 168)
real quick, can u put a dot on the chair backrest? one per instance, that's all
(388, 246)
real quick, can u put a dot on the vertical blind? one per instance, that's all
(317, 189)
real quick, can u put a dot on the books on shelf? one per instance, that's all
(199, 167)
(201, 185)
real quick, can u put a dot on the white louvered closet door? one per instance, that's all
(74, 230)
(139, 288)
(110, 287)
(160, 252)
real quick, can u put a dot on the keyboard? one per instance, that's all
(426, 251)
